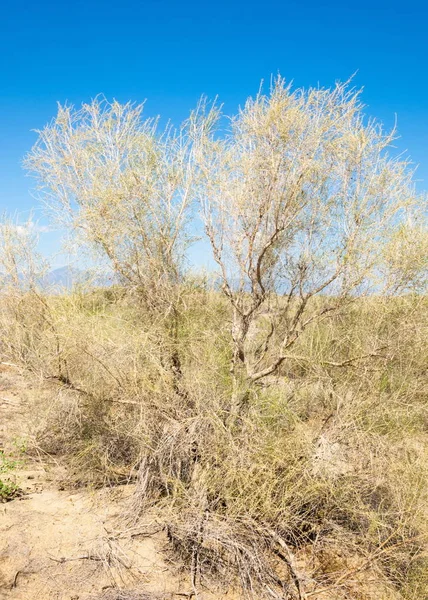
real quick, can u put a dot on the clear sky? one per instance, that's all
(171, 52)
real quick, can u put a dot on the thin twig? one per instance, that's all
(83, 557)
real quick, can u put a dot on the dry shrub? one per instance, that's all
(281, 418)
(322, 456)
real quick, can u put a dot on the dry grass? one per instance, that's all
(321, 480)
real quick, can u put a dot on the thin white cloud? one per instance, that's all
(29, 227)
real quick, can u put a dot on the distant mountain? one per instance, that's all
(64, 277)
(67, 277)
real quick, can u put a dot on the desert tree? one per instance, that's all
(110, 174)
(22, 267)
(406, 258)
(123, 186)
(25, 312)
(306, 213)
(299, 197)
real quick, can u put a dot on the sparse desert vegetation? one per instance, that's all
(271, 416)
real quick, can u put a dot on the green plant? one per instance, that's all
(8, 489)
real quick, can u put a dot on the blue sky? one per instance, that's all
(172, 52)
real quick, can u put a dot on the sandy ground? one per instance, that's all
(59, 545)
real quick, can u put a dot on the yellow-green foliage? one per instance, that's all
(280, 439)
(332, 450)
